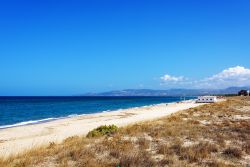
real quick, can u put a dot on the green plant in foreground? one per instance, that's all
(102, 130)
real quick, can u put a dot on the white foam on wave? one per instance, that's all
(28, 123)
(32, 122)
(73, 115)
(106, 111)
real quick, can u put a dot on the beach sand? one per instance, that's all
(18, 139)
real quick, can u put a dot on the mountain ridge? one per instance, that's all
(169, 92)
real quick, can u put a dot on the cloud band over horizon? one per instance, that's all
(233, 76)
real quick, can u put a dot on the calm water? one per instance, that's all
(17, 111)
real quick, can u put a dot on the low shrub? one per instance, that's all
(233, 152)
(102, 130)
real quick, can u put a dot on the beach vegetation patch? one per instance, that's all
(103, 130)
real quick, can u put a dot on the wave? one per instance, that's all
(74, 115)
(31, 122)
(106, 111)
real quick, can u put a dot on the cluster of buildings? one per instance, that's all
(213, 99)
(206, 99)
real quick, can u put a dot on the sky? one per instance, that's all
(50, 47)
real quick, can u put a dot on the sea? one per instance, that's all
(19, 111)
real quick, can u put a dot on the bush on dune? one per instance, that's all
(102, 130)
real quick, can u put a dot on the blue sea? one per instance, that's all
(18, 111)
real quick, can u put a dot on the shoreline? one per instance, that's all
(51, 119)
(26, 137)
(46, 120)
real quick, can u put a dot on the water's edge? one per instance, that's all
(34, 122)
(50, 119)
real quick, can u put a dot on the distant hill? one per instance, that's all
(169, 92)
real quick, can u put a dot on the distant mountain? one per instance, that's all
(169, 92)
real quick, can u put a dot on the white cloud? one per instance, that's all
(235, 73)
(170, 78)
(234, 76)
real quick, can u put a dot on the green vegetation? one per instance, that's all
(103, 130)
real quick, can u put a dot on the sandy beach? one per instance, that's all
(18, 139)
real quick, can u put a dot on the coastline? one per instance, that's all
(29, 136)
(27, 119)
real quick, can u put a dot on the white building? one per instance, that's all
(206, 99)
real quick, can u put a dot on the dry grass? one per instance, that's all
(214, 135)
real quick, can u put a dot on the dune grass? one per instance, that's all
(213, 135)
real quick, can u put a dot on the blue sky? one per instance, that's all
(73, 47)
